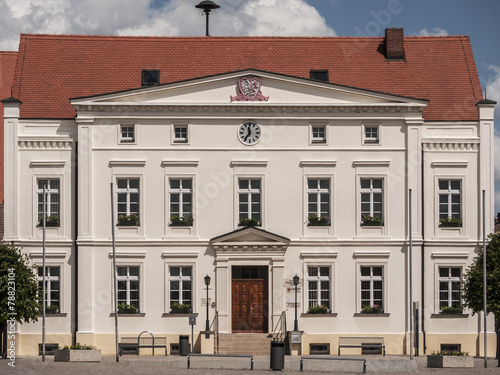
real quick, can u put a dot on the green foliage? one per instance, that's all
(371, 220)
(18, 286)
(375, 309)
(450, 222)
(180, 308)
(315, 220)
(78, 346)
(472, 286)
(124, 308)
(249, 222)
(451, 310)
(52, 221)
(128, 219)
(318, 309)
(181, 221)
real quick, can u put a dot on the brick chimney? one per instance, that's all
(394, 44)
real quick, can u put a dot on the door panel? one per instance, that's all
(248, 312)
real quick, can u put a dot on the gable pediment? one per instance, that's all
(248, 239)
(224, 89)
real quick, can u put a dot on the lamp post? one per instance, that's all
(207, 6)
(207, 324)
(296, 322)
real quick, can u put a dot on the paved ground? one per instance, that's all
(177, 365)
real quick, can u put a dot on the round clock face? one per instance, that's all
(249, 133)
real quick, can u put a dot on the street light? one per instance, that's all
(207, 325)
(207, 6)
(296, 322)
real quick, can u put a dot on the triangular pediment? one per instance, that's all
(226, 89)
(250, 238)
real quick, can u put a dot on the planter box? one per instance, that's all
(449, 361)
(68, 355)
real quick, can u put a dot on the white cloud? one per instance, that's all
(437, 31)
(175, 18)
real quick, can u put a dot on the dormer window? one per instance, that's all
(319, 75)
(150, 77)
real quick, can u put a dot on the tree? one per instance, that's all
(18, 290)
(472, 287)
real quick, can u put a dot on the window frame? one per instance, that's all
(180, 141)
(385, 281)
(449, 193)
(128, 192)
(318, 279)
(181, 191)
(449, 280)
(312, 72)
(249, 192)
(371, 140)
(144, 83)
(127, 140)
(39, 192)
(176, 260)
(319, 192)
(180, 279)
(314, 141)
(56, 278)
(140, 289)
(372, 191)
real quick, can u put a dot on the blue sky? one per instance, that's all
(476, 18)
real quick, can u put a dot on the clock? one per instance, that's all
(249, 133)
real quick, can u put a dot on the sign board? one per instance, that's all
(192, 320)
(296, 337)
(204, 301)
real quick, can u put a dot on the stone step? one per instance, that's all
(245, 343)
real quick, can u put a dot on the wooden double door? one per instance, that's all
(249, 299)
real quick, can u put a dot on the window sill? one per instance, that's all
(381, 315)
(181, 225)
(55, 315)
(137, 315)
(49, 226)
(178, 315)
(372, 225)
(318, 225)
(449, 316)
(309, 315)
(127, 225)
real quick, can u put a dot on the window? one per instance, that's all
(128, 200)
(318, 282)
(249, 199)
(319, 75)
(449, 287)
(372, 286)
(128, 286)
(450, 199)
(150, 77)
(181, 283)
(52, 288)
(181, 200)
(372, 200)
(181, 134)
(52, 201)
(318, 200)
(127, 133)
(318, 134)
(371, 134)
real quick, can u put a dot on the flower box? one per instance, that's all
(448, 222)
(178, 308)
(50, 221)
(375, 309)
(318, 221)
(371, 221)
(181, 221)
(442, 361)
(77, 355)
(317, 310)
(52, 309)
(249, 223)
(447, 310)
(123, 308)
(128, 220)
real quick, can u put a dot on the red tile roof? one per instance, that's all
(53, 68)
(7, 67)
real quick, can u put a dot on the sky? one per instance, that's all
(476, 18)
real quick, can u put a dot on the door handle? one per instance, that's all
(251, 309)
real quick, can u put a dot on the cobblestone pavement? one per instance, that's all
(178, 366)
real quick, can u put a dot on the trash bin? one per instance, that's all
(184, 345)
(277, 355)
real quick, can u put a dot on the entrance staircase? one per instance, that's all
(245, 343)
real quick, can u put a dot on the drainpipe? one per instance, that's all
(75, 312)
(422, 254)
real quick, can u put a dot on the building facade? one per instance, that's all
(251, 169)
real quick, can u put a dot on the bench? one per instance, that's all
(331, 359)
(363, 343)
(220, 356)
(127, 343)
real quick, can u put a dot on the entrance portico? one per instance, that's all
(249, 292)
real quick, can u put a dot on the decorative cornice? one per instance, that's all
(462, 164)
(48, 163)
(249, 247)
(49, 254)
(371, 163)
(318, 163)
(316, 255)
(248, 163)
(127, 163)
(179, 163)
(371, 254)
(180, 254)
(123, 254)
(454, 255)
(44, 143)
(252, 107)
(450, 145)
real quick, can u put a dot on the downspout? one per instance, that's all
(422, 254)
(75, 325)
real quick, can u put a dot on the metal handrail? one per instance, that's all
(279, 333)
(215, 329)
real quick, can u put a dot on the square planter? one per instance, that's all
(442, 361)
(69, 355)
